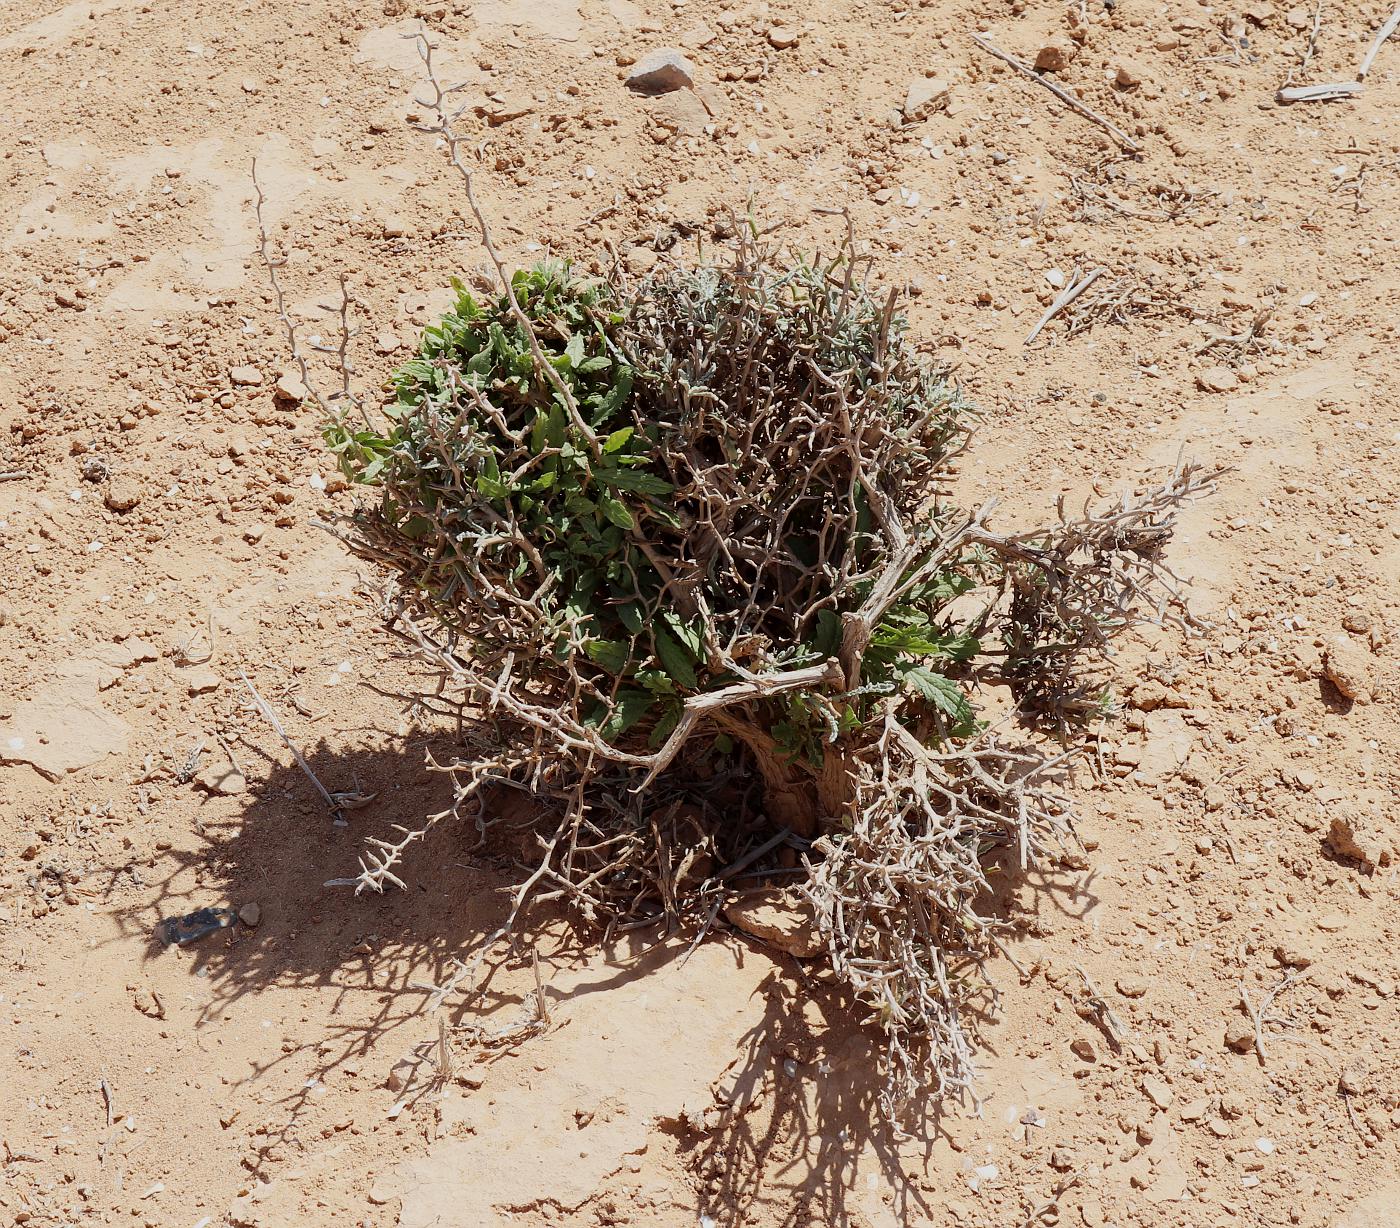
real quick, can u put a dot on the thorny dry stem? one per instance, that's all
(1096, 1006)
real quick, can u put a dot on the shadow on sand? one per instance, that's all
(796, 1111)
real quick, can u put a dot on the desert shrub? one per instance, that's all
(682, 560)
(682, 556)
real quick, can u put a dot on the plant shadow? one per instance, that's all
(797, 1116)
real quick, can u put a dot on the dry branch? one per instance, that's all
(1064, 299)
(1388, 27)
(1074, 104)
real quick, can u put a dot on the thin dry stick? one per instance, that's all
(448, 133)
(764, 686)
(443, 1074)
(541, 1000)
(1064, 299)
(1061, 1189)
(1392, 23)
(335, 802)
(272, 264)
(1099, 1005)
(1260, 1017)
(1312, 37)
(13, 475)
(1062, 94)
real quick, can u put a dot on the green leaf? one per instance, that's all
(634, 479)
(690, 637)
(480, 363)
(616, 395)
(580, 600)
(629, 708)
(579, 504)
(656, 681)
(942, 588)
(668, 720)
(612, 655)
(674, 659)
(574, 350)
(616, 511)
(629, 614)
(943, 693)
(555, 427)
(828, 637)
(617, 439)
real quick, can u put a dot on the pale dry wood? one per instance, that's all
(1064, 299)
(1391, 24)
(1319, 93)
(1062, 94)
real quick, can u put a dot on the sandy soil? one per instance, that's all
(156, 524)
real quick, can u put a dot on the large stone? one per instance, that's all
(681, 112)
(63, 729)
(924, 96)
(289, 387)
(660, 72)
(778, 918)
(1347, 667)
(123, 494)
(1355, 840)
(1217, 379)
(246, 376)
(1055, 55)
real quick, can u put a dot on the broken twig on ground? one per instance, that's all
(1260, 1017)
(1390, 25)
(1319, 93)
(1063, 300)
(1098, 1006)
(1062, 94)
(336, 802)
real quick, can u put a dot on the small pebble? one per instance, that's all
(1217, 379)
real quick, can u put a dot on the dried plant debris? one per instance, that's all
(681, 558)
